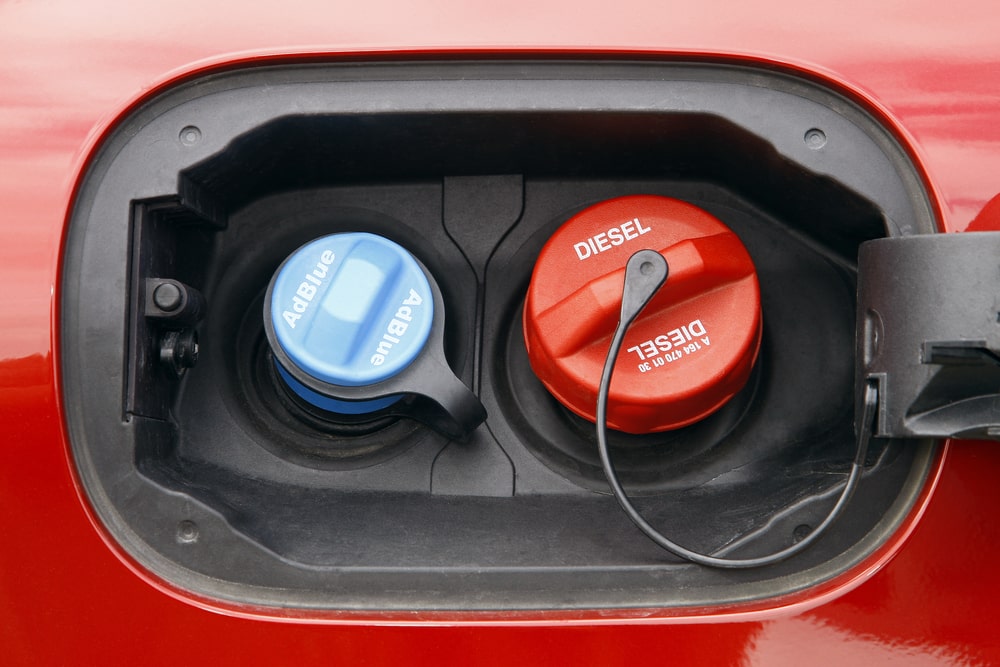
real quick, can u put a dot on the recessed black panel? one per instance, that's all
(214, 478)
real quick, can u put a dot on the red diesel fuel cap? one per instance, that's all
(692, 347)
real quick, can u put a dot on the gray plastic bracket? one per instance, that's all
(929, 334)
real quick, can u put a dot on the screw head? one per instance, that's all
(187, 532)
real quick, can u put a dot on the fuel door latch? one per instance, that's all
(928, 334)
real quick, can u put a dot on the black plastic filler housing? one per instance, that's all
(209, 475)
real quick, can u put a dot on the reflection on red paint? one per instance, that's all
(938, 596)
(989, 218)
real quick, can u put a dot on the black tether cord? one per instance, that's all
(645, 273)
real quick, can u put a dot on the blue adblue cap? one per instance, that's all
(351, 310)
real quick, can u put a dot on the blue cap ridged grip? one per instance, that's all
(351, 309)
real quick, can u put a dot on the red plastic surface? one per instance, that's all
(691, 348)
(67, 68)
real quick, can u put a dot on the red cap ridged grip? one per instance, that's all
(692, 347)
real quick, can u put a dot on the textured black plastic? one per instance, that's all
(471, 167)
(930, 334)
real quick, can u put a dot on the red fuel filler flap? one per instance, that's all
(690, 350)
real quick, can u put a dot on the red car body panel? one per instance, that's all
(69, 595)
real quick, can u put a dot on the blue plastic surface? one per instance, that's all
(333, 404)
(351, 309)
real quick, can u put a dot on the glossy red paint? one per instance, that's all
(66, 69)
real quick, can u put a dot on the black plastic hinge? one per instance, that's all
(928, 334)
